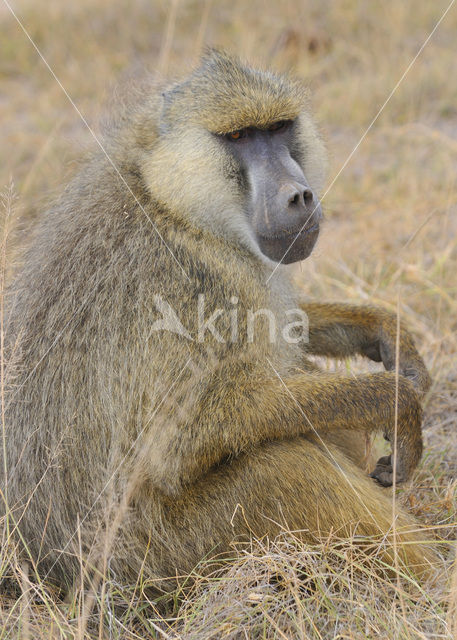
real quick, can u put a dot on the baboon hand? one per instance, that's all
(383, 348)
(384, 472)
(405, 436)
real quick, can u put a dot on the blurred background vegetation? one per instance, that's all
(390, 235)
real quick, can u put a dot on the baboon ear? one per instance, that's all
(164, 121)
(166, 97)
(169, 113)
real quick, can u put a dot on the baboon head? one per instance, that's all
(238, 153)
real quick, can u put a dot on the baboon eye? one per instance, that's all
(276, 126)
(237, 135)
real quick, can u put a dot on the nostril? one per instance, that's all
(294, 199)
(308, 196)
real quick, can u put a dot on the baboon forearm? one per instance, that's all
(341, 330)
(235, 417)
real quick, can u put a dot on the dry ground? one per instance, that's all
(390, 237)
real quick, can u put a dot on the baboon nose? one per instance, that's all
(308, 196)
(298, 196)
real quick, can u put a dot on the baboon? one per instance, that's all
(153, 332)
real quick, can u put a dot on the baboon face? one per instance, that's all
(237, 153)
(282, 209)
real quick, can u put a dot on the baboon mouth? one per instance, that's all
(290, 234)
(290, 246)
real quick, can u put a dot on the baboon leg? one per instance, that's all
(298, 484)
(363, 449)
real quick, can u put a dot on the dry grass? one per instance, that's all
(390, 236)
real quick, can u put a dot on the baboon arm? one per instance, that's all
(237, 413)
(341, 330)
